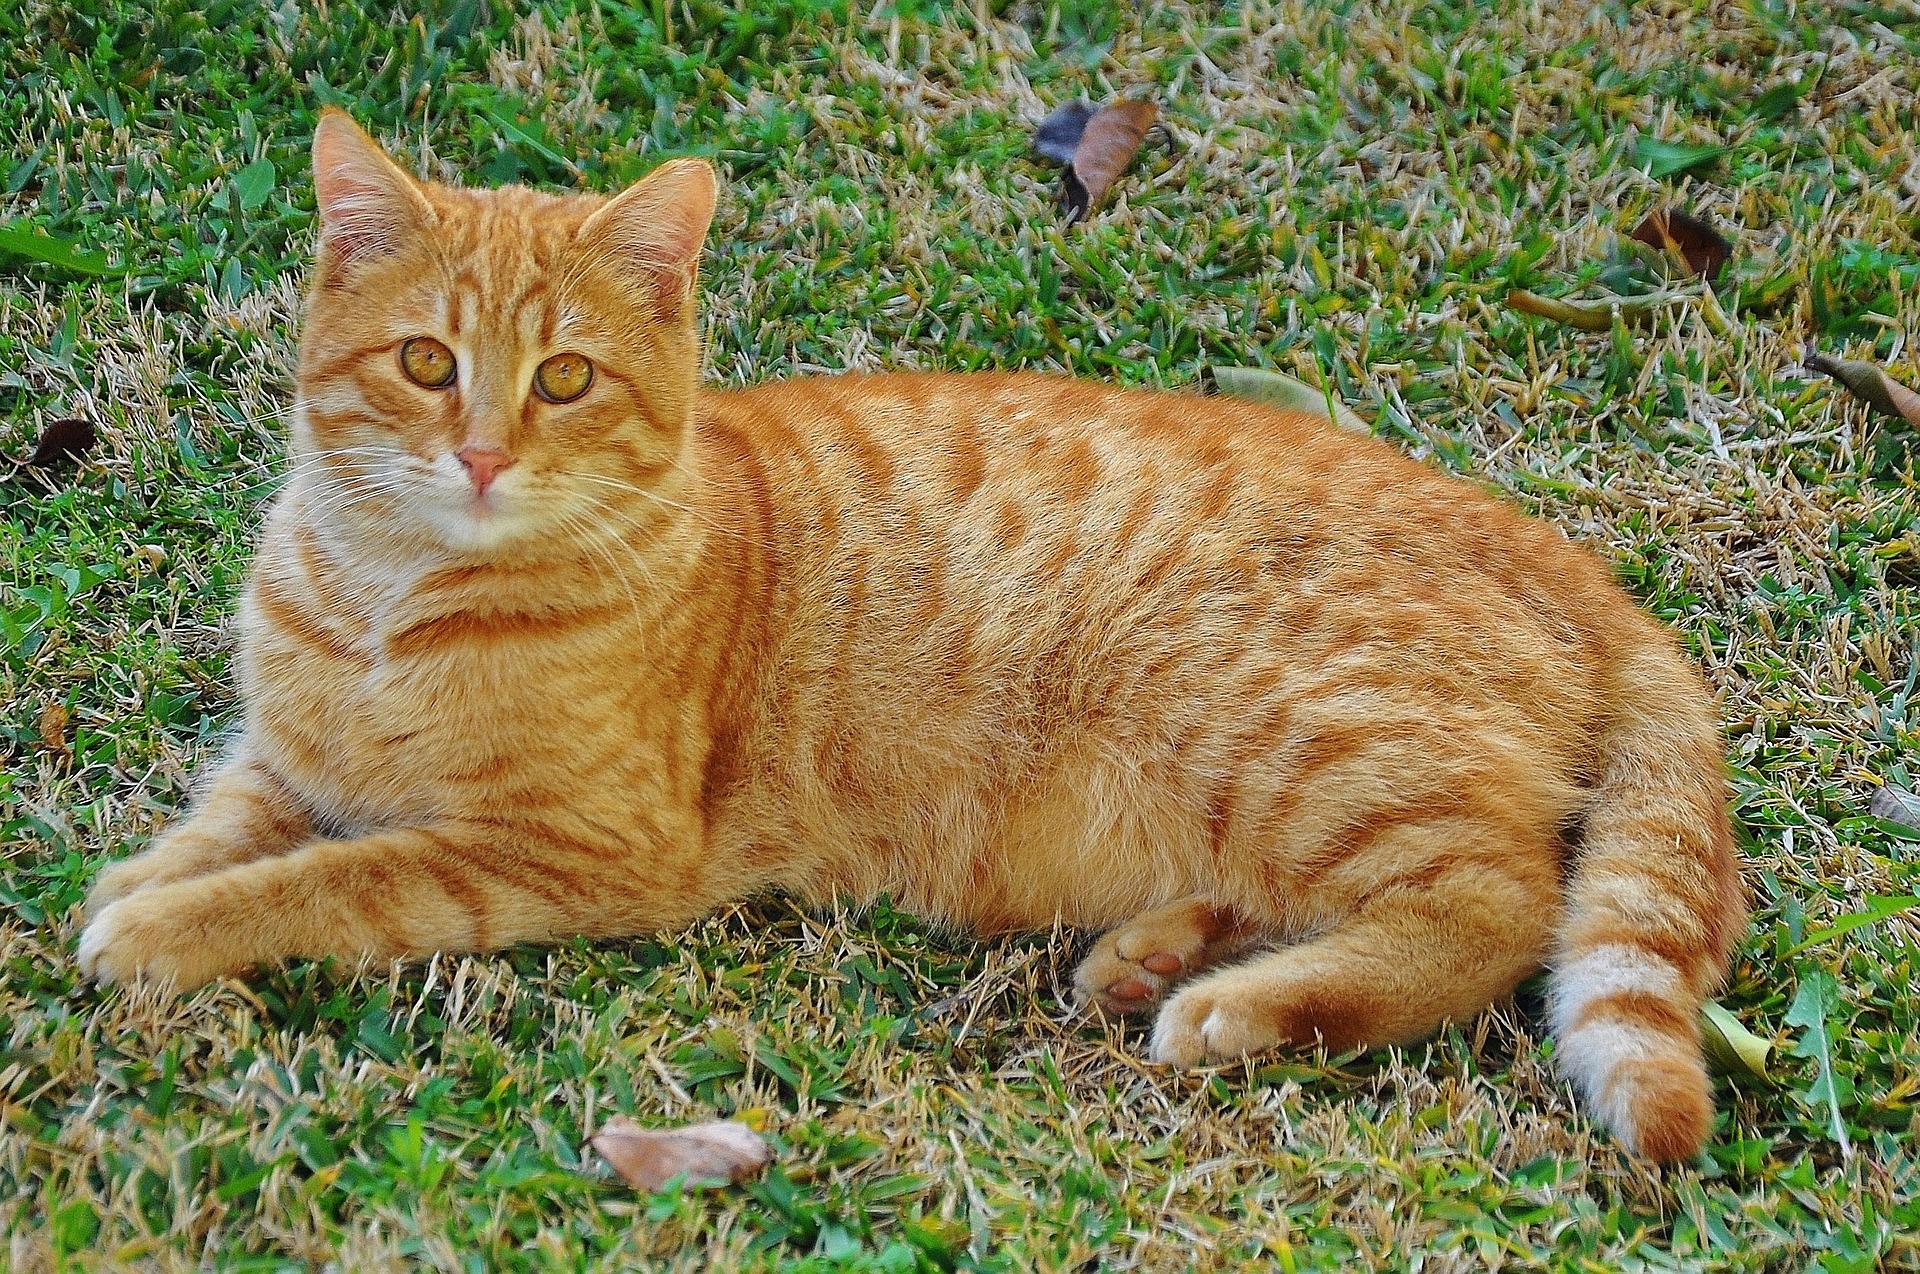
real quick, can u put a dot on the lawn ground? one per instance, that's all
(1342, 190)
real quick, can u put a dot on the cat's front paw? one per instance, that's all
(141, 938)
(117, 880)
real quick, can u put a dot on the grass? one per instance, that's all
(1346, 191)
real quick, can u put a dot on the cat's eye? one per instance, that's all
(427, 362)
(563, 378)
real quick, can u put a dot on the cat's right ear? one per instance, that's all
(368, 205)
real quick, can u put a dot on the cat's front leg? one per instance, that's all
(247, 812)
(400, 893)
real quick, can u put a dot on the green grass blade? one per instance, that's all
(1878, 908)
(1663, 159)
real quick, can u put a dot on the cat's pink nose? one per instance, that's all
(483, 465)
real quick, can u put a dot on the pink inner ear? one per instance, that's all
(367, 205)
(679, 234)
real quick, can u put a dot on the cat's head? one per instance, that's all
(490, 367)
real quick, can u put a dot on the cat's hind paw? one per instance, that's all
(1122, 986)
(1131, 968)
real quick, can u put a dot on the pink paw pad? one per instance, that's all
(1161, 962)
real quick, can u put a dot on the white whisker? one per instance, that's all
(643, 493)
(579, 532)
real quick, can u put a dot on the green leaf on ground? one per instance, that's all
(1814, 1006)
(21, 238)
(1282, 392)
(1663, 159)
(255, 183)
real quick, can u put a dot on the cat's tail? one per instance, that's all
(1653, 909)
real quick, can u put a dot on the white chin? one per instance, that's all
(472, 531)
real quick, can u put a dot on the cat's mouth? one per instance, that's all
(468, 519)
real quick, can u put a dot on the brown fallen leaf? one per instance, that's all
(1896, 805)
(63, 440)
(1060, 132)
(1688, 240)
(718, 1153)
(1096, 147)
(1869, 384)
(53, 729)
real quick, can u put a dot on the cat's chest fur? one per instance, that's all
(413, 709)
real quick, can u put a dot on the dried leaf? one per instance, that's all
(1588, 316)
(718, 1153)
(1896, 805)
(1107, 145)
(53, 729)
(1730, 1047)
(1688, 239)
(1279, 390)
(63, 440)
(1869, 384)
(1059, 133)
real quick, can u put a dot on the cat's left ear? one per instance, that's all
(655, 227)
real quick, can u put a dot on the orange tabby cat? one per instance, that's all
(543, 640)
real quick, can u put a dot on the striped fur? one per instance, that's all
(1304, 724)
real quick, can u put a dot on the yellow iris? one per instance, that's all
(427, 362)
(563, 378)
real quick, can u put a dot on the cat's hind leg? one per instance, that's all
(1443, 941)
(246, 812)
(1132, 967)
